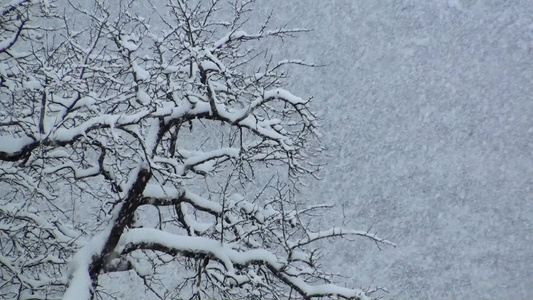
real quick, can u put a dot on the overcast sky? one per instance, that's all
(427, 115)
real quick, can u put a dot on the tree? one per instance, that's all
(133, 145)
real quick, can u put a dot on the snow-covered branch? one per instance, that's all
(127, 145)
(231, 259)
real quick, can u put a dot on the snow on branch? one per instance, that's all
(155, 194)
(152, 239)
(46, 240)
(13, 148)
(122, 144)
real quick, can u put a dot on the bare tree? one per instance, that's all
(129, 145)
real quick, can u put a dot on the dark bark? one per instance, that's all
(124, 219)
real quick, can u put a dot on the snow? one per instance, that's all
(141, 73)
(132, 177)
(78, 172)
(214, 63)
(209, 65)
(247, 207)
(283, 94)
(179, 243)
(190, 244)
(5, 44)
(3, 70)
(17, 209)
(85, 102)
(13, 3)
(175, 69)
(143, 97)
(79, 286)
(327, 289)
(151, 138)
(426, 121)
(227, 256)
(389, 168)
(58, 153)
(229, 37)
(43, 281)
(142, 269)
(202, 157)
(455, 4)
(11, 145)
(32, 84)
(194, 225)
(64, 134)
(157, 191)
(300, 256)
(127, 42)
(26, 181)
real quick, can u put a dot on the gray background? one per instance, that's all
(427, 116)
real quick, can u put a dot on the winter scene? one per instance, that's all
(254, 149)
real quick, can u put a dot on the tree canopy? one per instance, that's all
(165, 146)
